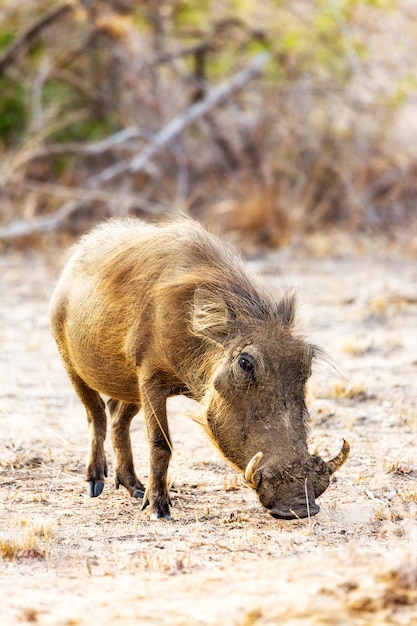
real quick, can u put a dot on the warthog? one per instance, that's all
(142, 313)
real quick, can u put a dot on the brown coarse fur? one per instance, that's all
(144, 312)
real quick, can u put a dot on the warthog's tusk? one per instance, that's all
(251, 468)
(338, 460)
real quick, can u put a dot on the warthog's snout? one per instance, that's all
(295, 512)
(288, 494)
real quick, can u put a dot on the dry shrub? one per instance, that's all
(315, 141)
(252, 216)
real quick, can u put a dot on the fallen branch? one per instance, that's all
(76, 198)
(181, 121)
(24, 228)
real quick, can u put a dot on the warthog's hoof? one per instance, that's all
(95, 487)
(131, 483)
(158, 509)
(157, 515)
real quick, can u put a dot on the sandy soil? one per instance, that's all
(67, 560)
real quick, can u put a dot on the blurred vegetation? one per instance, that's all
(323, 135)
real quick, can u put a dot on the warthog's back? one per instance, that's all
(127, 289)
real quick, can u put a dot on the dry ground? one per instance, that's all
(68, 560)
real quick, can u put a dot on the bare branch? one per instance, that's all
(184, 119)
(31, 32)
(91, 148)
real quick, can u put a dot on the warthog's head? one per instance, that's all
(256, 403)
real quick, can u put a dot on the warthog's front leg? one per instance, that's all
(160, 448)
(122, 414)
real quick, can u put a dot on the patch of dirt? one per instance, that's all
(68, 560)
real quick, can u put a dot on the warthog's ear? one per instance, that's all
(286, 310)
(211, 318)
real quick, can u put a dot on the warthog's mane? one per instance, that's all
(202, 260)
(181, 256)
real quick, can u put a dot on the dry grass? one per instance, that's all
(409, 495)
(357, 346)
(378, 307)
(344, 390)
(408, 417)
(232, 481)
(26, 539)
(400, 467)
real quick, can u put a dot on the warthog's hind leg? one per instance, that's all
(96, 469)
(122, 414)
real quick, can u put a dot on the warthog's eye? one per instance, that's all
(247, 364)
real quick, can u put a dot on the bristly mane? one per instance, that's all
(197, 259)
(205, 261)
